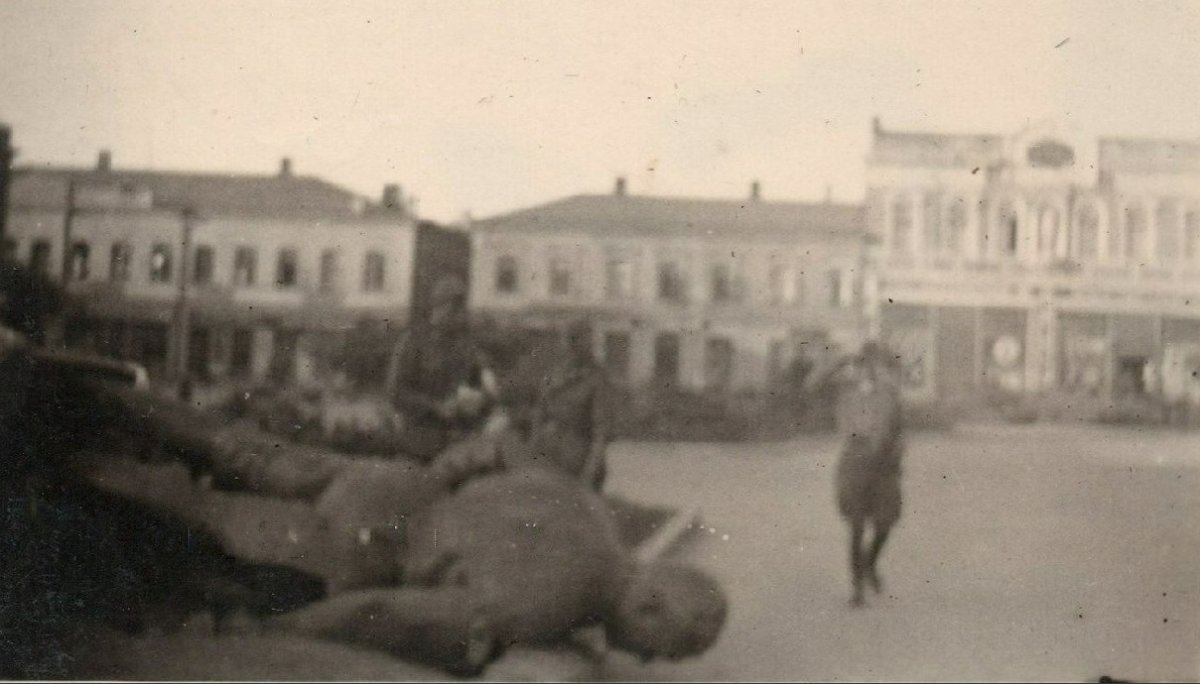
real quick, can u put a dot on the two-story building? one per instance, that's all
(224, 275)
(1041, 260)
(699, 293)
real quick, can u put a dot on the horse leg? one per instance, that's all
(856, 560)
(882, 529)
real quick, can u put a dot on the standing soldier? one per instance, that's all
(436, 377)
(569, 425)
(868, 471)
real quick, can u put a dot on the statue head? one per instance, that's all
(668, 611)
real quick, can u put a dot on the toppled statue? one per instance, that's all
(450, 563)
(519, 558)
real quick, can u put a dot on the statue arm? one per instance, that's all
(237, 454)
(444, 626)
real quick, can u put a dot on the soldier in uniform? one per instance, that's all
(569, 424)
(436, 377)
(868, 472)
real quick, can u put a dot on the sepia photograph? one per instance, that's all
(776, 340)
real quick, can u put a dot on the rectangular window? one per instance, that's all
(671, 286)
(721, 282)
(841, 291)
(202, 265)
(118, 262)
(902, 224)
(932, 212)
(1191, 235)
(560, 277)
(245, 266)
(199, 352)
(241, 351)
(286, 269)
(80, 253)
(160, 263)
(329, 270)
(39, 257)
(1167, 231)
(506, 274)
(616, 355)
(1136, 237)
(956, 227)
(1009, 229)
(373, 272)
(618, 279)
(718, 363)
(666, 358)
(782, 284)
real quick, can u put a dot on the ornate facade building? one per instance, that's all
(1042, 260)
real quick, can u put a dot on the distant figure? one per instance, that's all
(436, 377)
(868, 471)
(570, 419)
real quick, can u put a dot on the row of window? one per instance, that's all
(718, 358)
(1177, 232)
(725, 284)
(245, 265)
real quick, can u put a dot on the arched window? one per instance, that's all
(1006, 234)
(1052, 243)
(1167, 228)
(902, 225)
(956, 226)
(1087, 232)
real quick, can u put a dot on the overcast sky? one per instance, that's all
(490, 106)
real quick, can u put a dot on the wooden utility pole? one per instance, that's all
(68, 225)
(6, 159)
(183, 314)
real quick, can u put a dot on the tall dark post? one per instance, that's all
(6, 159)
(68, 224)
(183, 314)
